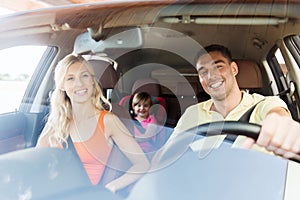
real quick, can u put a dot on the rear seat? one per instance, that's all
(186, 94)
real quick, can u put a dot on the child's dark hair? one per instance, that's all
(142, 96)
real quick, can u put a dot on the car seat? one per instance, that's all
(249, 77)
(152, 87)
(107, 78)
(186, 94)
(106, 75)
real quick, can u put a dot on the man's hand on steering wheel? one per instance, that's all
(279, 134)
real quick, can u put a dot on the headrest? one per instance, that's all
(249, 75)
(148, 85)
(186, 89)
(105, 73)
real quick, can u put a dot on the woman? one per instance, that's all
(77, 112)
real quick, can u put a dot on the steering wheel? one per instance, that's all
(233, 128)
(183, 173)
(228, 127)
(181, 143)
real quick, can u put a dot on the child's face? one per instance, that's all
(142, 108)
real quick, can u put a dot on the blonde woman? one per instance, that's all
(77, 112)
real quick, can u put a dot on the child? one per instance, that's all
(146, 129)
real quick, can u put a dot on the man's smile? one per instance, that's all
(216, 84)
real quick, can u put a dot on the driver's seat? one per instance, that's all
(249, 77)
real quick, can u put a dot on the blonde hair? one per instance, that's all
(57, 127)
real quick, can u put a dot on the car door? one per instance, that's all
(23, 104)
(283, 59)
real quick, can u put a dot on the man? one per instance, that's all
(217, 73)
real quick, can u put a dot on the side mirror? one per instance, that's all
(128, 39)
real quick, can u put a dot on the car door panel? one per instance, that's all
(35, 125)
(20, 130)
(12, 129)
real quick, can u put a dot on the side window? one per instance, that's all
(17, 65)
(278, 69)
(284, 80)
(281, 61)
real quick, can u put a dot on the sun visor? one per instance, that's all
(124, 40)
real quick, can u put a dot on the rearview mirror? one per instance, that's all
(128, 39)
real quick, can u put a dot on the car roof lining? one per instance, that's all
(146, 14)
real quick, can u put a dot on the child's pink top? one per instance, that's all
(151, 144)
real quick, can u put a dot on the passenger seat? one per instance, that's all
(106, 74)
(108, 78)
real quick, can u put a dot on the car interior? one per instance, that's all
(172, 101)
(148, 46)
(163, 43)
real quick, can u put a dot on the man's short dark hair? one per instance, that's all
(215, 47)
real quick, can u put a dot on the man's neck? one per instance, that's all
(224, 107)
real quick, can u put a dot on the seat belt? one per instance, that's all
(71, 147)
(244, 118)
(113, 169)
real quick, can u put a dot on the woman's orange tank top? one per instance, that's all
(94, 152)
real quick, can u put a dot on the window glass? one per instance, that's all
(281, 62)
(17, 65)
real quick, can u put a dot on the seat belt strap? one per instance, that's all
(244, 118)
(71, 147)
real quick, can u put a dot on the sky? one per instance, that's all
(16, 61)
